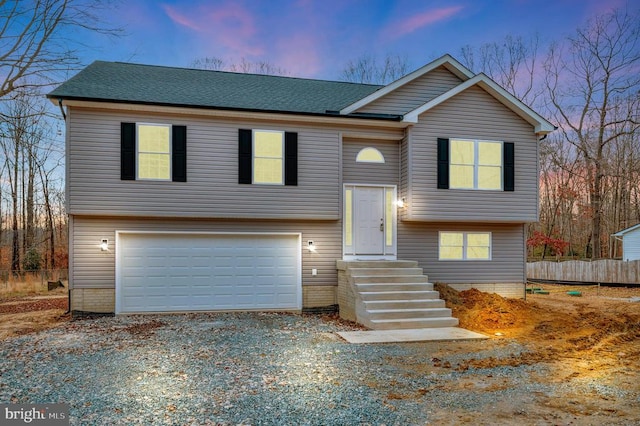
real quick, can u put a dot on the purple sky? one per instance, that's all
(311, 38)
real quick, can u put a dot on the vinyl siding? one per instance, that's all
(404, 184)
(212, 189)
(414, 94)
(472, 114)
(419, 242)
(370, 173)
(93, 268)
(631, 245)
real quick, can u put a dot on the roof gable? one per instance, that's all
(447, 61)
(541, 125)
(627, 230)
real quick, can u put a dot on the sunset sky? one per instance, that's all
(310, 38)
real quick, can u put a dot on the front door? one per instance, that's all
(369, 220)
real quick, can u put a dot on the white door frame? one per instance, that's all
(349, 229)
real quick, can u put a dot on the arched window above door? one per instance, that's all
(369, 155)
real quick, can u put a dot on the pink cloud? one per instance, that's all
(230, 26)
(415, 22)
(298, 55)
(179, 18)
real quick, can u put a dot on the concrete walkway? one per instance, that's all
(410, 335)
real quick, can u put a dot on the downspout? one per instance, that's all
(64, 117)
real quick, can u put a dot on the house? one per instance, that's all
(630, 242)
(197, 190)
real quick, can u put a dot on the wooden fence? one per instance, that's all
(599, 271)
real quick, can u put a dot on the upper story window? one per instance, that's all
(464, 246)
(154, 151)
(369, 155)
(267, 157)
(150, 151)
(476, 164)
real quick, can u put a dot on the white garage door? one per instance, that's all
(196, 272)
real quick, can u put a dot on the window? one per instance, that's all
(268, 162)
(476, 164)
(369, 155)
(150, 151)
(154, 151)
(267, 157)
(464, 246)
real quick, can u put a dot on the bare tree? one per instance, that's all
(367, 69)
(592, 82)
(512, 63)
(244, 66)
(33, 43)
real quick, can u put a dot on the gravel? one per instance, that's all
(251, 368)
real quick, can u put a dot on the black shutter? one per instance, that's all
(128, 151)
(244, 156)
(443, 163)
(508, 165)
(290, 158)
(179, 154)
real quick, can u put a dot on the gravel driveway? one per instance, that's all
(259, 369)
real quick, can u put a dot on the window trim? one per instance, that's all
(170, 153)
(465, 246)
(476, 165)
(253, 156)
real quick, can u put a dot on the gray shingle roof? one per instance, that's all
(147, 84)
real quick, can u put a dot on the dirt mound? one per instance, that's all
(486, 312)
(596, 329)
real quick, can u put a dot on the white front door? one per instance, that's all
(369, 220)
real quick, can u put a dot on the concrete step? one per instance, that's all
(369, 296)
(342, 264)
(371, 287)
(385, 271)
(404, 304)
(390, 324)
(361, 279)
(405, 314)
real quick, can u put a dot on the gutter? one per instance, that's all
(327, 113)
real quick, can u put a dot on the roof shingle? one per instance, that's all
(147, 84)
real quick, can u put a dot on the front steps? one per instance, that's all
(387, 295)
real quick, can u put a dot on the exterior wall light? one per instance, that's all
(104, 245)
(400, 202)
(311, 246)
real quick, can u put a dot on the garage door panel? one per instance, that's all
(186, 272)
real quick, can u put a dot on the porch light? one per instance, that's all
(400, 202)
(104, 244)
(311, 246)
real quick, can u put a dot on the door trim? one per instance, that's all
(389, 251)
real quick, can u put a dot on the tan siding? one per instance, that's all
(404, 184)
(473, 114)
(94, 185)
(419, 241)
(96, 269)
(370, 173)
(414, 94)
